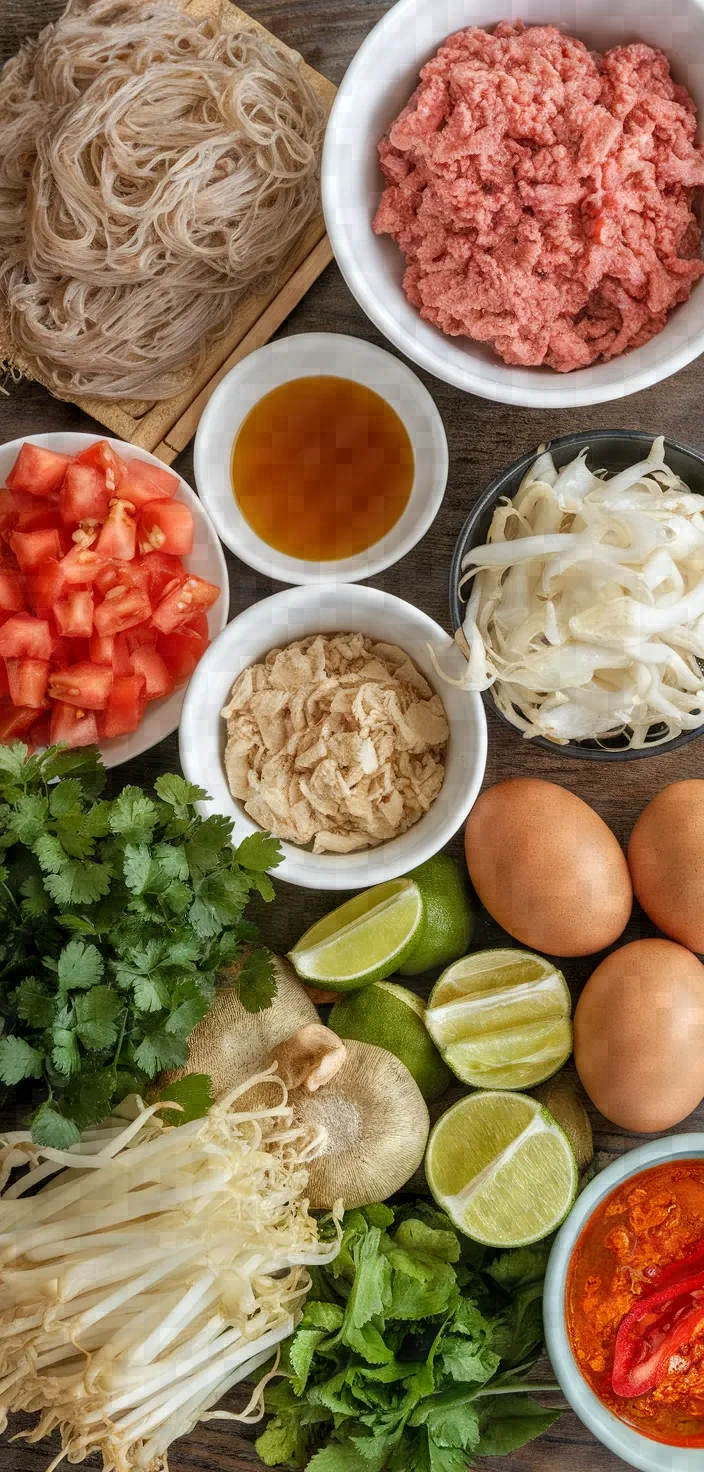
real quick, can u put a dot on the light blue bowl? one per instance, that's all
(630, 1445)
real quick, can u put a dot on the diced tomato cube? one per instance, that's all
(162, 573)
(25, 637)
(194, 596)
(74, 614)
(4, 682)
(148, 662)
(103, 457)
(85, 685)
(121, 609)
(101, 648)
(141, 634)
(81, 566)
(27, 679)
(33, 548)
(8, 513)
(181, 652)
(63, 652)
(146, 482)
(199, 625)
(125, 708)
(73, 727)
(84, 495)
(12, 591)
(38, 471)
(45, 587)
(118, 537)
(166, 526)
(34, 513)
(121, 657)
(15, 721)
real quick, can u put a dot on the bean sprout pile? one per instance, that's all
(155, 1269)
(586, 607)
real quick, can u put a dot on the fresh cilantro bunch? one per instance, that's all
(116, 918)
(410, 1356)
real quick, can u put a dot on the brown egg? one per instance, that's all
(639, 1035)
(666, 860)
(547, 868)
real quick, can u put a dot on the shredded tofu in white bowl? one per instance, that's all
(318, 715)
(577, 592)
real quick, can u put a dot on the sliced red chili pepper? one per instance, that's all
(659, 1325)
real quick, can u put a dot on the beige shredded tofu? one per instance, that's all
(336, 742)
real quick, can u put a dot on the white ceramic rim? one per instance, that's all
(161, 717)
(553, 395)
(202, 732)
(634, 1449)
(295, 357)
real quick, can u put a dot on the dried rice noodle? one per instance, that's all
(153, 167)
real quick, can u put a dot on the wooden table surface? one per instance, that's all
(483, 438)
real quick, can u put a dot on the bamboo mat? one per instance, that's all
(165, 426)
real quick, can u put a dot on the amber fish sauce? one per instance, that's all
(322, 468)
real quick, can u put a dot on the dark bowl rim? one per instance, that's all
(578, 439)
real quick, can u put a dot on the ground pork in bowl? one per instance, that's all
(515, 203)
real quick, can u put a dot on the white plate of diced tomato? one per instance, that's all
(112, 584)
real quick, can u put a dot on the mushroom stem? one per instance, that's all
(310, 1058)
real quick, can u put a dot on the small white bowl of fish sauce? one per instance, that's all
(321, 457)
(298, 614)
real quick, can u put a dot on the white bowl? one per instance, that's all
(295, 614)
(161, 717)
(308, 355)
(633, 1448)
(377, 85)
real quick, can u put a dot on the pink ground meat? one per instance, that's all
(542, 194)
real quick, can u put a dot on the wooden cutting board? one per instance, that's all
(165, 426)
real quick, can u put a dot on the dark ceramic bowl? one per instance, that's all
(612, 450)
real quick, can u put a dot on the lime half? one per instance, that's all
(502, 1169)
(394, 1018)
(501, 1019)
(363, 940)
(448, 915)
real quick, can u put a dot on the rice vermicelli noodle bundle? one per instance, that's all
(153, 167)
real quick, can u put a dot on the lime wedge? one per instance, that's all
(502, 1169)
(501, 1019)
(363, 940)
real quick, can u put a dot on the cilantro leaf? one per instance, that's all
(178, 793)
(96, 1012)
(78, 883)
(88, 1098)
(51, 1128)
(18, 1060)
(194, 1093)
(12, 759)
(133, 815)
(259, 851)
(256, 980)
(80, 966)
(34, 1004)
(509, 1421)
(158, 1050)
(35, 900)
(136, 866)
(30, 818)
(65, 1052)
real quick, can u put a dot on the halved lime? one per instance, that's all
(501, 1167)
(448, 915)
(394, 1018)
(501, 1019)
(363, 940)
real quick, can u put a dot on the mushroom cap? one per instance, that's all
(231, 1044)
(376, 1122)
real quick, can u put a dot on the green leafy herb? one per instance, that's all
(404, 1358)
(117, 917)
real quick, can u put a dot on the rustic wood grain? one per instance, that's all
(483, 438)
